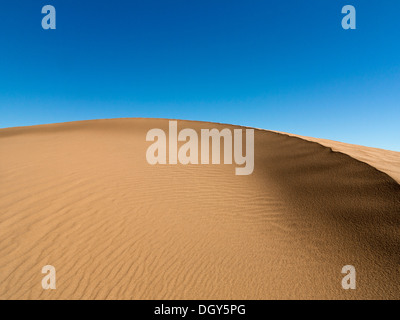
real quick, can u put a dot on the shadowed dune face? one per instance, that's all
(81, 197)
(384, 160)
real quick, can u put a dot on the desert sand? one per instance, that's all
(81, 196)
(384, 160)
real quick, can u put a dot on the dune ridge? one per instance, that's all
(386, 161)
(81, 196)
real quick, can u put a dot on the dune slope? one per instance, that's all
(386, 161)
(81, 197)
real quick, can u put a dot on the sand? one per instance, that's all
(384, 160)
(80, 196)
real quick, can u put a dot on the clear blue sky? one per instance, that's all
(283, 65)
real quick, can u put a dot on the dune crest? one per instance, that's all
(386, 161)
(81, 196)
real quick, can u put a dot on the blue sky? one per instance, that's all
(283, 65)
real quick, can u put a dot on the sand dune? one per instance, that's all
(81, 197)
